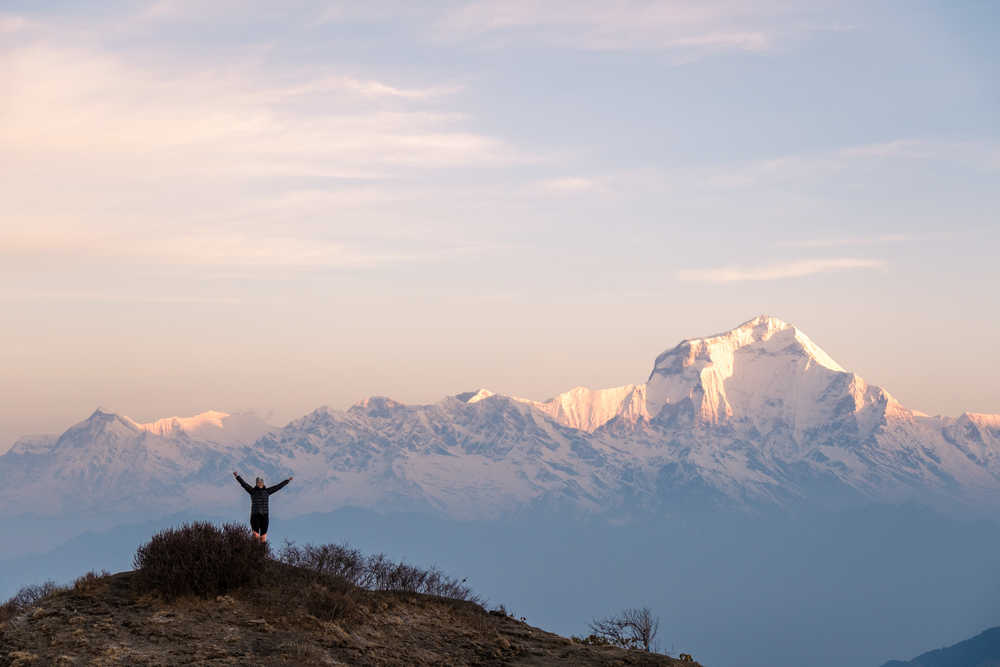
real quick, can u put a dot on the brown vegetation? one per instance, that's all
(200, 559)
(632, 628)
(303, 609)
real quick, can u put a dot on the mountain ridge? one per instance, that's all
(756, 415)
(983, 650)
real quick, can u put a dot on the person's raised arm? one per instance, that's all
(279, 486)
(246, 487)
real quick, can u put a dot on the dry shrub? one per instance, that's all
(25, 599)
(376, 573)
(633, 628)
(200, 559)
(339, 560)
(88, 583)
(326, 596)
(328, 603)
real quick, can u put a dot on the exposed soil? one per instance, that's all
(108, 622)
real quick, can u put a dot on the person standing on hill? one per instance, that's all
(259, 495)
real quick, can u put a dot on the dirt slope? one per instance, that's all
(108, 623)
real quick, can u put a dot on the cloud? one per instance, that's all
(854, 241)
(377, 88)
(35, 296)
(689, 29)
(12, 24)
(241, 166)
(568, 185)
(258, 251)
(801, 171)
(782, 271)
(72, 100)
(231, 251)
(348, 84)
(686, 27)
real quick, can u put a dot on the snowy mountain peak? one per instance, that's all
(720, 347)
(765, 368)
(376, 406)
(102, 414)
(756, 369)
(168, 425)
(755, 414)
(34, 444)
(210, 426)
(474, 396)
(103, 418)
(589, 409)
(991, 422)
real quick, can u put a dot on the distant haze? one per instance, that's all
(289, 206)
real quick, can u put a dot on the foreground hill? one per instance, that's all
(106, 622)
(983, 650)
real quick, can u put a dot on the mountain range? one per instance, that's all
(983, 650)
(758, 416)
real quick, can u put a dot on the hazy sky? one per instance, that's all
(276, 206)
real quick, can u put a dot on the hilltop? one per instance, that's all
(110, 624)
(294, 617)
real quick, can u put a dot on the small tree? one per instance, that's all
(633, 628)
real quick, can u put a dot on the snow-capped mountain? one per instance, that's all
(756, 415)
(111, 463)
(211, 426)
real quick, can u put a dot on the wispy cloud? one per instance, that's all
(801, 171)
(12, 24)
(348, 84)
(796, 269)
(686, 27)
(689, 29)
(219, 167)
(852, 241)
(230, 251)
(35, 296)
(568, 185)
(72, 100)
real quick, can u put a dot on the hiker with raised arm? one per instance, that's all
(259, 495)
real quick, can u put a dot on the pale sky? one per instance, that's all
(277, 206)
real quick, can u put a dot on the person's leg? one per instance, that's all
(263, 527)
(255, 525)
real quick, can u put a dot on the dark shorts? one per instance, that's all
(258, 523)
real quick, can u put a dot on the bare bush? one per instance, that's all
(377, 572)
(339, 560)
(633, 628)
(26, 598)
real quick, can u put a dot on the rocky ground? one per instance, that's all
(107, 621)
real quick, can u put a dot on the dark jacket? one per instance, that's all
(259, 495)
